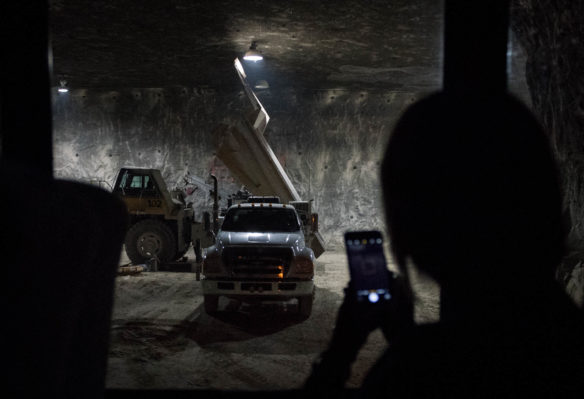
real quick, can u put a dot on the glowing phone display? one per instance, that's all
(367, 265)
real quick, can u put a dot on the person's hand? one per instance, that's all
(400, 312)
(356, 319)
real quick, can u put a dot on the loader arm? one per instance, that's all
(244, 150)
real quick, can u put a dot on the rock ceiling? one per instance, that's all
(393, 44)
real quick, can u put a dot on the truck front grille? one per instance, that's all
(258, 262)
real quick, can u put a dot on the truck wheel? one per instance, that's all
(305, 306)
(211, 303)
(150, 238)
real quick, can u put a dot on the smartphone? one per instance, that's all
(367, 266)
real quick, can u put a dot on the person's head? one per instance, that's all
(471, 187)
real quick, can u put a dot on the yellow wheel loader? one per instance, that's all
(162, 226)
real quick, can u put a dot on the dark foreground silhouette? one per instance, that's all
(472, 199)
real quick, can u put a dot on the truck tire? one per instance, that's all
(150, 238)
(305, 306)
(211, 303)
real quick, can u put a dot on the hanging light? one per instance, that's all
(63, 88)
(253, 54)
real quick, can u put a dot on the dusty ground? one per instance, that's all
(162, 338)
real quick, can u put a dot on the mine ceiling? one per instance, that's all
(306, 43)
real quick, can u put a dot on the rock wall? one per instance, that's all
(330, 142)
(552, 33)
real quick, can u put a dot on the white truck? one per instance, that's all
(263, 250)
(260, 254)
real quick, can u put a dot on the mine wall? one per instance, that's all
(330, 142)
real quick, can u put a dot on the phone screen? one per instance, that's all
(367, 265)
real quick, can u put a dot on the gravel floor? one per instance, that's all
(161, 337)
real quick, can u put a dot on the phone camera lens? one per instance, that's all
(373, 297)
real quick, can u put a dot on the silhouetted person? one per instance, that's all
(472, 199)
(60, 241)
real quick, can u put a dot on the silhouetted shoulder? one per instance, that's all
(540, 353)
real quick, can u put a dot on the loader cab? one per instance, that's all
(136, 183)
(144, 192)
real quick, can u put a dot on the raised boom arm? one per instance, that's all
(245, 151)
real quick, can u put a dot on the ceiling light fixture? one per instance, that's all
(253, 54)
(63, 86)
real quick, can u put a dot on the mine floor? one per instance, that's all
(161, 337)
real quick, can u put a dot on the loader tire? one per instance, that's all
(148, 239)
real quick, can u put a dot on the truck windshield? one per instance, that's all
(261, 220)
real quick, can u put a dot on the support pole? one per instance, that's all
(475, 47)
(215, 205)
(25, 87)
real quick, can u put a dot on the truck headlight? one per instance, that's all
(302, 267)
